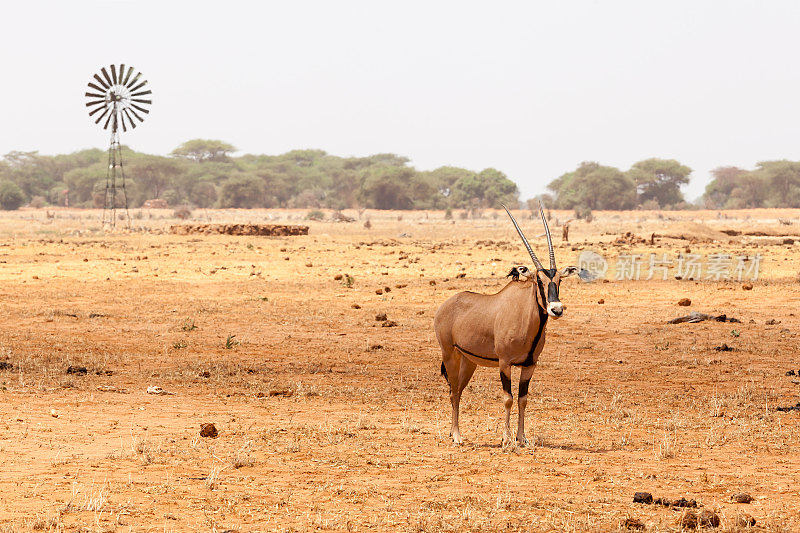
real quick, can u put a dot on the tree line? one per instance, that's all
(204, 173)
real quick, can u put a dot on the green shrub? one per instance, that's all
(11, 196)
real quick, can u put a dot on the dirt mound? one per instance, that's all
(270, 230)
(695, 232)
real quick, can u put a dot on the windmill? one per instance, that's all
(117, 101)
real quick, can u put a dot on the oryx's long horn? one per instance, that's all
(549, 239)
(524, 240)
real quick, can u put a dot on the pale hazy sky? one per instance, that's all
(531, 88)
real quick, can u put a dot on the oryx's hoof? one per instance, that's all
(522, 442)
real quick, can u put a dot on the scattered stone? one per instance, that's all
(77, 370)
(788, 241)
(337, 277)
(208, 430)
(111, 388)
(205, 374)
(54, 413)
(432, 282)
(684, 302)
(789, 373)
(270, 230)
(723, 348)
(632, 523)
(747, 286)
(695, 317)
(745, 520)
(355, 306)
(772, 322)
(286, 393)
(97, 315)
(601, 301)
(389, 324)
(375, 347)
(795, 407)
(401, 286)
(708, 518)
(5, 365)
(309, 265)
(742, 497)
(387, 289)
(379, 291)
(642, 497)
(158, 391)
(461, 275)
(380, 317)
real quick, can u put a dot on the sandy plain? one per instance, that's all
(330, 422)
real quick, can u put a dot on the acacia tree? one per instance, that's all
(594, 186)
(201, 150)
(660, 180)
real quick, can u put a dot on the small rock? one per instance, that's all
(379, 291)
(158, 391)
(601, 301)
(401, 286)
(355, 306)
(380, 317)
(745, 520)
(708, 518)
(309, 265)
(723, 348)
(387, 289)
(205, 374)
(389, 324)
(772, 322)
(747, 286)
(788, 373)
(742, 497)
(337, 277)
(461, 275)
(432, 282)
(642, 497)
(788, 241)
(53, 413)
(374, 347)
(77, 370)
(632, 523)
(5, 365)
(684, 302)
(208, 430)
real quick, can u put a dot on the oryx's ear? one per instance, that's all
(513, 274)
(568, 271)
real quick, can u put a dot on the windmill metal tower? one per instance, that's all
(117, 98)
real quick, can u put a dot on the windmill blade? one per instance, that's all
(89, 104)
(96, 87)
(96, 110)
(143, 110)
(114, 74)
(105, 126)
(105, 87)
(128, 76)
(135, 115)
(101, 116)
(141, 101)
(133, 124)
(105, 75)
(122, 119)
(142, 93)
(95, 95)
(133, 80)
(139, 86)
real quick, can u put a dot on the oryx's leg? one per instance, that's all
(451, 365)
(508, 400)
(524, 381)
(465, 372)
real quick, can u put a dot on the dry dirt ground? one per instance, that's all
(328, 421)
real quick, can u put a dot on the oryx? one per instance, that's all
(500, 330)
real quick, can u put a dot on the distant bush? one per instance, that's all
(583, 213)
(183, 212)
(37, 202)
(11, 196)
(315, 215)
(650, 205)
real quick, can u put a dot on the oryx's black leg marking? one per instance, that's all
(506, 381)
(523, 388)
(459, 348)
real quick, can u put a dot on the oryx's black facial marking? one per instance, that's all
(523, 388)
(549, 280)
(552, 292)
(506, 381)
